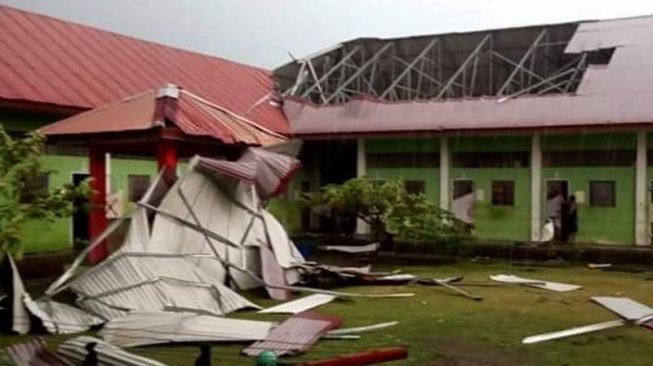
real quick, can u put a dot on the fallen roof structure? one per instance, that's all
(585, 74)
(189, 247)
(147, 328)
(632, 312)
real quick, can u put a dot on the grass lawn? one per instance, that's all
(441, 328)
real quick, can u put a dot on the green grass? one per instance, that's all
(441, 328)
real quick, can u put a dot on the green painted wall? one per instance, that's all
(430, 176)
(607, 225)
(56, 235)
(610, 225)
(496, 222)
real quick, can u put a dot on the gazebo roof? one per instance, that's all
(171, 109)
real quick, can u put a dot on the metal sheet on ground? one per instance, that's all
(300, 305)
(626, 308)
(140, 329)
(295, 335)
(546, 285)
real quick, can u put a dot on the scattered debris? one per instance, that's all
(352, 249)
(547, 285)
(295, 335)
(449, 283)
(76, 349)
(300, 305)
(20, 321)
(34, 353)
(364, 358)
(599, 265)
(364, 329)
(633, 312)
(140, 329)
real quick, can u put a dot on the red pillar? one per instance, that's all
(167, 158)
(97, 213)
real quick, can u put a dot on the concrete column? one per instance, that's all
(445, 197)
(97, 214)
(641, 225)
(361, 169)
(536, 187)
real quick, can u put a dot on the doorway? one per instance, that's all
(556, 192)
(80, 219)
(462, 205)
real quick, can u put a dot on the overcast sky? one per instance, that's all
(262, 32)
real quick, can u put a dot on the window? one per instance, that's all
(462, 187)
(415, 186)
(503, 193)
(602, 193)
(137, 186)
(35, 185)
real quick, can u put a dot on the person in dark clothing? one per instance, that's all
(569, 219)
(204, 358)
(91, 355)
(572, 217)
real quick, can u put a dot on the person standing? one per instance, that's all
(572, 219)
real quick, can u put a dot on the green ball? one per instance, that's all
(266, 358)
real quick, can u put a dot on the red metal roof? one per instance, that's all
(50, 61)
(193, 115)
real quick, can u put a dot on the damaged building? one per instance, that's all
(491, 124)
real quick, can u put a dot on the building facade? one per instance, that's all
(503, 120)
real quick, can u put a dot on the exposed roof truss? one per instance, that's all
(500, 63)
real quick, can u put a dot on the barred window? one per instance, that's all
(602, 193)
(503, 193)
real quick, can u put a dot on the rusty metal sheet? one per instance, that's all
(295, 335)
(43, 62)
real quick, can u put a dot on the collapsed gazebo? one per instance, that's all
(168, 122)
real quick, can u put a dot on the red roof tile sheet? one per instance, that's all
(193, 115)
(296, 334)
(49, 61)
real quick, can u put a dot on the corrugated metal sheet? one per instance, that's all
(75, 351)
(60, 318)
(612, 95)
(34, 353)
(46, 60)
(626, 308)
(546, 285)
(193, 115)
(20, 322)
(300, 305)
(296, 334)
(140, 329)
(153, 282)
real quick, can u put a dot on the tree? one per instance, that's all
(388, 208)
(22, 198)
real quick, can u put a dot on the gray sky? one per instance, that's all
(262, 32)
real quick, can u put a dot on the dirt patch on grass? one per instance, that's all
(465, 353)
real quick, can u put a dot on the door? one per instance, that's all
(80, 216)
(462, 205)
(557, 190)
